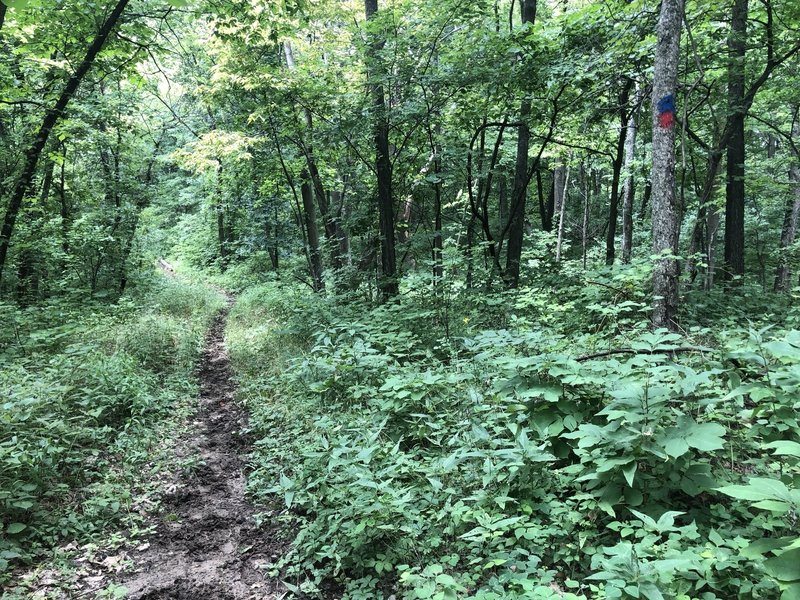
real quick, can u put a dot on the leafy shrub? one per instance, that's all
(504, 464)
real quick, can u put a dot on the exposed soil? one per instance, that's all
(207, 545)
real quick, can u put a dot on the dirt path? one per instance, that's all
(207, 545)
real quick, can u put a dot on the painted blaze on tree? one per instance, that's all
(666, 111)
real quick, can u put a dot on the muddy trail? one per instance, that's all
(207, 545)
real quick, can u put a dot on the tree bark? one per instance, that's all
(666, 212)
(587, 194)
(51, 117)
(628, 188)
(516, 229)
(619, 158)
(734, 190)
(312, 232)
(789, 231)
(545, 206)
(561, 213)
(387, 283)
(332, 230)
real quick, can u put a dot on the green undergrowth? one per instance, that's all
(91, 398)
(481, 452)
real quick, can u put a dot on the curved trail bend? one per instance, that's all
(207, 545)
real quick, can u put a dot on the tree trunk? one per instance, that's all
(789, 231)
(52, 116)
(62, 197)
(438, 241)
(666, 212)
(734, 190)
(516, 229)
(545, 206)
(586, 201)
(628, 188)
(648, 192)
(619, 158)
(312, 232)
(562, 211)
(387, 283)
(328, 218)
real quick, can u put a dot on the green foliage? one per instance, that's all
(84, 403)
(504, 467)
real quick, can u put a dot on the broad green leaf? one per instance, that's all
(791, 592)
(785, 567)
(16, 528)
(785, 448)
(775, 506)
(676, 447)
(629, 471)
(706, 437)
(759, 488)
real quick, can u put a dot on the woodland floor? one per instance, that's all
(207, 544)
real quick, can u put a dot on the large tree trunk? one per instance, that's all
(734, 190)
(666, 212)
(789, 231)
(51, 117)
(619, 158)
(519, 193)
(628, 188)
(387, 283)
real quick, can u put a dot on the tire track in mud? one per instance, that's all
(207, 545)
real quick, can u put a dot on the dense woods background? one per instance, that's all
(517, 313)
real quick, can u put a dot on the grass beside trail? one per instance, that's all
(93, 398)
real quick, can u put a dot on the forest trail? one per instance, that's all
(207, 544)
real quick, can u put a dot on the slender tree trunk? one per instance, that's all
(387, 283)
(712, 228)
(666, 212)
(502, 200)
(332, 231)
(586, 201)
(338, 203)
(62, 197)
(628, 188)
(734, 190)
(438, 241)
(561, 213)
(51, 117)
(619, 158)
(545, 206)
(312, 232)
(697, 241)
(648, 192)
(2, 15)
(558, 188)
(469, 251)
(789, 231)
(516, 229)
